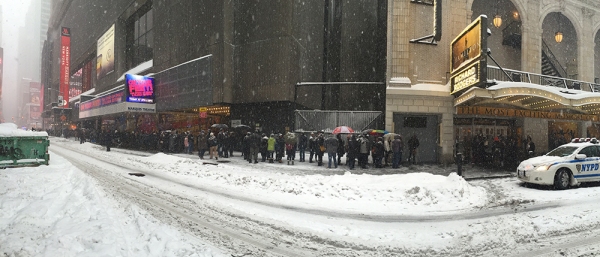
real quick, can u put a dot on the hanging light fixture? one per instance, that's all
(497, 19)
(558, 37)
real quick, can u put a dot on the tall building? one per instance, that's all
(232, 62)
(28, 60)
(45, 9)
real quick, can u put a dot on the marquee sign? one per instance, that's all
(468, 61)
(139, 89)
(501, 112)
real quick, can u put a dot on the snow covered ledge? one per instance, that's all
(400, 82)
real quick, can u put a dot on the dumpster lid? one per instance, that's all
(11, 130)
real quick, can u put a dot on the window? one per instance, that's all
(140, 40)
(590, 151)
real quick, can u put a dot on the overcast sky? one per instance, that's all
(13, 17)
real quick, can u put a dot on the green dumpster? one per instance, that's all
(22, 148)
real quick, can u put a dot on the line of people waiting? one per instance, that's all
(274, 147)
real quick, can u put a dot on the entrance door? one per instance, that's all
(426, 128)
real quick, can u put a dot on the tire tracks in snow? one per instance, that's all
(232, 234)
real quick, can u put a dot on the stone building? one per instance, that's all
(539, 78)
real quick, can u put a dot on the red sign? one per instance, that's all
(65, 63)
(203, 115)
(1, 69)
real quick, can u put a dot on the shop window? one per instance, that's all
(140, 37)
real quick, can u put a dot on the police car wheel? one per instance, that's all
(562, 179)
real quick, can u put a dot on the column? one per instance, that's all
(531, 45)
(585, 60)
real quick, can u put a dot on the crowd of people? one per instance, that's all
(498, 151)
(361, 150)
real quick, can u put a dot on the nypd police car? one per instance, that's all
(568, 165)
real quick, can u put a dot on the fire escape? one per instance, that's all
(511, 36)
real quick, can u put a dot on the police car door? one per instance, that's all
(589, 169)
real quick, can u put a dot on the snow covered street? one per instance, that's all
(177, 208)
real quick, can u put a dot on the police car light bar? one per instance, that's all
(592, 140)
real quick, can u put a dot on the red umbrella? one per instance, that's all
(342, 129)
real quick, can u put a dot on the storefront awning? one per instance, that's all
(118, 108)
(533, 97)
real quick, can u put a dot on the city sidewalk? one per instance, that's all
(469, 172)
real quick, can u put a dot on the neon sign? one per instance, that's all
(140, 89)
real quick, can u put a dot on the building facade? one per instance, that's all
(538, 79)
(231, 62)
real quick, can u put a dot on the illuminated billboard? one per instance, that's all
(105, 53)
(65, 64)
(468, 60)
(139, 89)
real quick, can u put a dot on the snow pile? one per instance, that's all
(11, 130)
(353, 193)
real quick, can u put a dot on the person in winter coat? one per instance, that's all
(397, 146)
(320, 142)
(302, 143)
(202, 144)
(212, 146)
(413, 144)
(290, 151)
(271, 147)
(221, 136)
(231, 143)
(253, 143)
(246, 146)
(529, 147)
(279, 147)
(363, 156)
(190, 143)
(172, 141)
(378, 152)
(290, 147)
(351, 150)
(341, 150)
(108, 139)
(331, 146)
(312, 147)
(264, 144)
(387, 147)
(186, 143)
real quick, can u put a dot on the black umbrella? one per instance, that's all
(219, 126)
(242, 126)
